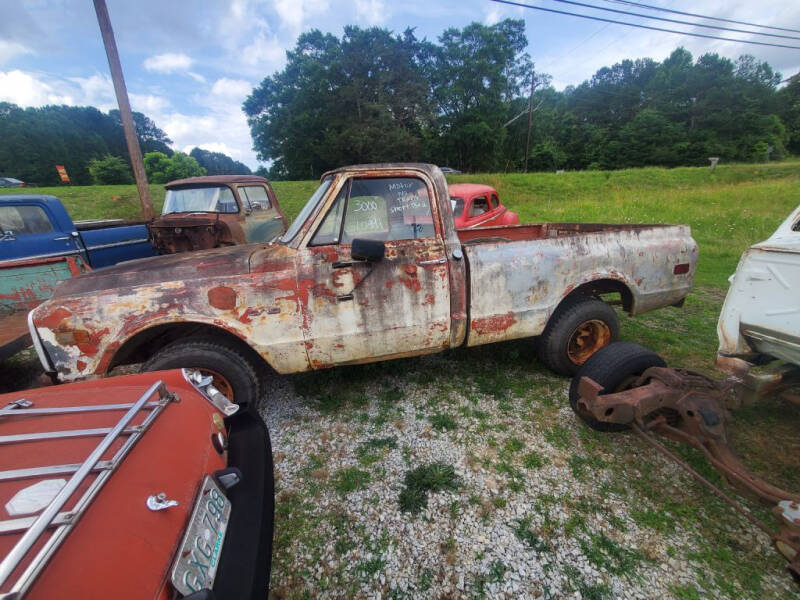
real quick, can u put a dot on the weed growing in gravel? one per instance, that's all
(425, 580)
(497, 571)
(443, 422)
(598, 591)
(434, 477)
(533, 460)
(607, 555)
(373, 449)
(522, 531)
(370, 567)
(558, 436)
(350, 479)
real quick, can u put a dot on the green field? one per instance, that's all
(728, 210)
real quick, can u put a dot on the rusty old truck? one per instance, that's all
(371, 269)
(217, 210)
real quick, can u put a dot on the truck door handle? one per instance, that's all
(435, 261)
(346, 264)
(63, 238)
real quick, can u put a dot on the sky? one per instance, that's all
(189, 65)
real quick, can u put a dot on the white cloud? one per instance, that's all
(24, 89)
(266, 53)
(295, 13)
(492, 15)
(10, 49)
(168, 62)
(371, 12)
(231, 89)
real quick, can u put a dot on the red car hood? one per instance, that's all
(118, 548)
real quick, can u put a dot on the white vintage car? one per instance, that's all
(761, 315)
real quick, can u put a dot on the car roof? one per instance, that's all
(217, 179)
(470, 189)
(38, 197)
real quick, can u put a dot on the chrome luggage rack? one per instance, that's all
(51, 516)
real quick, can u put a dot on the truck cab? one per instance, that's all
(222, 210)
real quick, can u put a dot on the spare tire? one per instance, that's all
(614, 367)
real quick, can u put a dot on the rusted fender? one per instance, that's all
(249, 291)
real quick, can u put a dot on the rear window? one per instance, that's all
(24, 220)
(254, 197)
(458, 206)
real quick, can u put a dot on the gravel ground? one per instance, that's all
(543, 507)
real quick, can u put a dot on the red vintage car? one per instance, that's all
(144, 486)
(476, 205)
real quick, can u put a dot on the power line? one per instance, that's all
(688, 14)
(640, 26)
(668, 20)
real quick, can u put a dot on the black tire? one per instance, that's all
(573, 315)
(611, 367)
(217, 356)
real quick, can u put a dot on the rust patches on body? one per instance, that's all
(493, 325)
(222, 297)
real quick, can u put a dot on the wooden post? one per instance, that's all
(124, 109)
(530, 118)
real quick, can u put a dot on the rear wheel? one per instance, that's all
(580, 327)
(615, 367)
(233, 372)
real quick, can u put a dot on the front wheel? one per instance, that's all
(615, 367)
(579, 327)
(233, 373)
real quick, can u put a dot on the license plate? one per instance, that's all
(196, 564)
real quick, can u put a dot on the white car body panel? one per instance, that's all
(761, 314)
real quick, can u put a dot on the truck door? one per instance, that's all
(360, 311)
(27, 231)
(262, 220)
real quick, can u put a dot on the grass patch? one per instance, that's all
(443, 422)
(607, 555)
(350, 479)
(435, 477)
(533, 460)
(522, 531)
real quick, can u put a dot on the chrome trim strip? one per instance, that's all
(73, 251)
(50, 470)
(37, 344)
(49, 514)
(117, 244)
(56, 435)
(65, 410)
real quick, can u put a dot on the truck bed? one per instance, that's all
(519, 274)
(538, 231)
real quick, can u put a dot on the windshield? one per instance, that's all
(307, 210)
(458, 206)
(203, 199)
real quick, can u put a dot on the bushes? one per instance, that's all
(109, 170)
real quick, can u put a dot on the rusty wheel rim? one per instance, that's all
(587, 339)
(220, 382)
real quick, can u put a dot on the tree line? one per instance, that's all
(463, 102)
(91, 145)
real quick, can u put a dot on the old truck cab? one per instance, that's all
(222, 210)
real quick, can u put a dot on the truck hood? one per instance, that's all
(235, 260)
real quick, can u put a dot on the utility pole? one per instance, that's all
(530, 118)
(124, 108)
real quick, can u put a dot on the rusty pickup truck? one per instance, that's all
(371, 269)
(214, 211)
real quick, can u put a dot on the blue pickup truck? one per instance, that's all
(33, 226)
(40, 246)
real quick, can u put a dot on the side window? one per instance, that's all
(480, 205)
(388, 208)
(24, 220)
(495, 202)
(328, 232)
(226, 203)
(255, 196)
